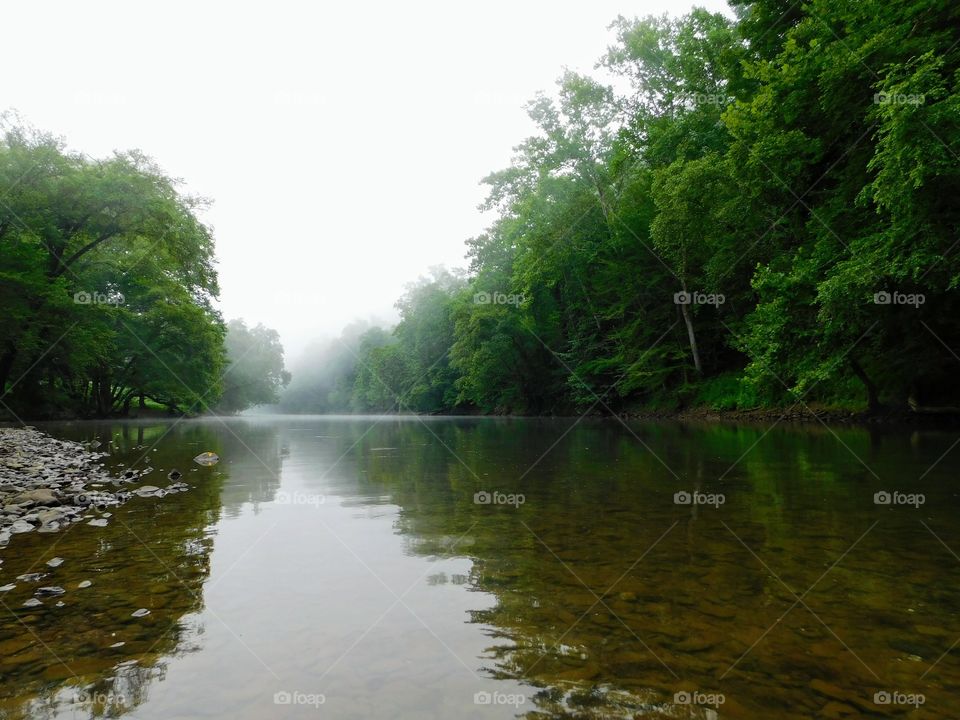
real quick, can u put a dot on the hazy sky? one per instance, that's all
(342, 143)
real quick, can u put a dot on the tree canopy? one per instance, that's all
(734, 212)
(107, 285)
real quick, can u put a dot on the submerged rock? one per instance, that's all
(207, 459)
(50, 591)
(47, 484)
(139, 613)
(55, 562)
(8, 587)
(32, 602)
(84, 584)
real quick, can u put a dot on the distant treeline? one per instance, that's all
(768, 215)
(106, 289)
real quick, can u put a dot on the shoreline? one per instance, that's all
(895, 418)
(47, 484)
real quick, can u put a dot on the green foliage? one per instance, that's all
(106, 285)
(255, 373)
(802, 161)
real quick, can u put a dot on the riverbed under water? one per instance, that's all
(403, 567)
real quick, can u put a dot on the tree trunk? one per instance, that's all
(873, 396)
(688, 320)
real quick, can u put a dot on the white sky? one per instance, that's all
(342, 143)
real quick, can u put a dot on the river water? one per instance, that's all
(401, 567)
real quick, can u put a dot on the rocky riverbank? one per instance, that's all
(48, 484)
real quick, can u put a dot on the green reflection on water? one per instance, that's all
(612, 598)
(598, 590)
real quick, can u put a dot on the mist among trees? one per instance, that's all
(759, 219)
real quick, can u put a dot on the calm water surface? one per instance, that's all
(344, 568)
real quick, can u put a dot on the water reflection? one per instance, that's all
(90, 656)
(612, 599)
(598, 595)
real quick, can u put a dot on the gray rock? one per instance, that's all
(8, 587)
(50, 591)
(98, 522)
(55, 562)
(40, 496)
(207, 459)
(32, 602)
(84, 584)
(140, 613)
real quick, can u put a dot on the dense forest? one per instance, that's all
(747, 212)
(107, 283)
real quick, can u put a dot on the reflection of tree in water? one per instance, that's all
(595, 504)
(91, 658)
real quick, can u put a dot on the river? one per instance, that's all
(403, 567)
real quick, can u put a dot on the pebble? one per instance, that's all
(7, 588)
(50, 590)
(84, 584)
(98, 522)
(32, 602)
(207, 459)
(46, 484)
(55, 562)
(140, 613)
